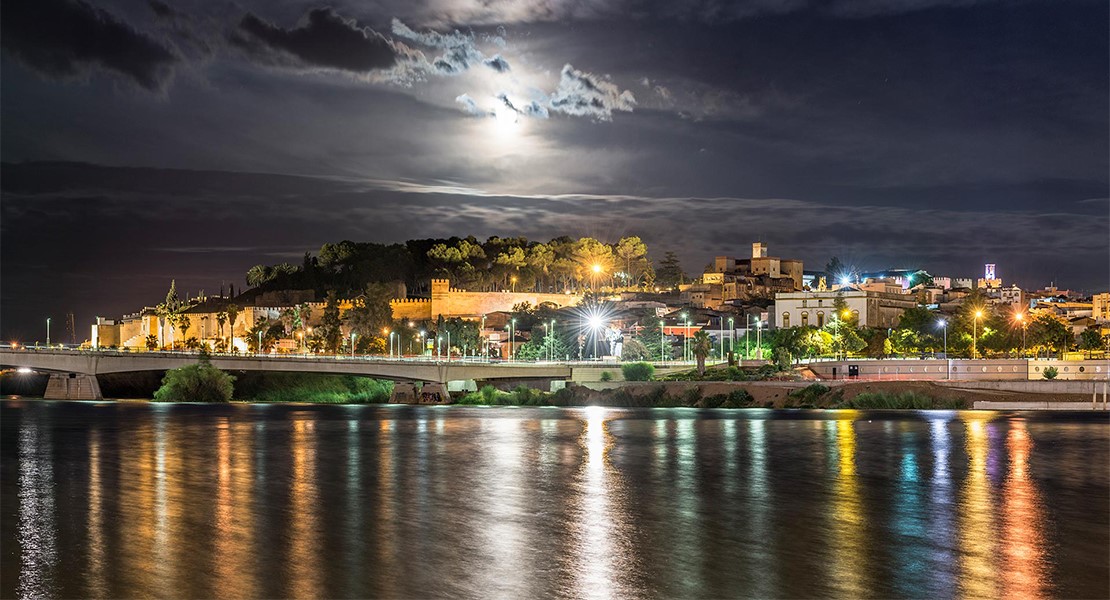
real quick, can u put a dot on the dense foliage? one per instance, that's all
(201, 382)
(496, 264)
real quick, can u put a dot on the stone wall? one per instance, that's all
(453, 302)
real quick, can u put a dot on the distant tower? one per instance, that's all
(989, 272)
(759, 250)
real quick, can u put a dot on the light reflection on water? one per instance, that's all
(293, 501)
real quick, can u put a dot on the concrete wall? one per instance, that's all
(959, 369)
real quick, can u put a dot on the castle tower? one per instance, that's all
(759, 250)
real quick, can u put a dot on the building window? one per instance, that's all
(805, 318)
(785, 320)
(820, 319)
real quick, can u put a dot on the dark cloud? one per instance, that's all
(67, 39)
(585, 94)
(497, 63)
(162, 9)
(325, 39)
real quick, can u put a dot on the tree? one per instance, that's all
(835, 271)
(633, 252)
(1050, 332)
(232, 311)
(1091, 340)
(201, 382)
(540, 259)
(670, 274)
(702, 345)
(151, 342)
(221, 318)
(330, 329)
(371, 312)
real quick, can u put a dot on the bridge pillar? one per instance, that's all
(404, 392)
(72, 386)
(434, 393)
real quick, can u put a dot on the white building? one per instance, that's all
(870, 309)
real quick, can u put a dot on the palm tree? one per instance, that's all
(702, 346)
(221, 318)
(232, 312)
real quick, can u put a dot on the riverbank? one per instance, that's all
(774, 394)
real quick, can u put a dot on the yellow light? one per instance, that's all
(847, 314)
(978, 314)
(385, 331)
(1020, 316)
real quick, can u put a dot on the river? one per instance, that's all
(136, 499)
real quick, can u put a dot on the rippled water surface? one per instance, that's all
(134, 499)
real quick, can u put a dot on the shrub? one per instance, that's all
(905, 400)
(809, 394)
(489, 394)
(638, 371)
(1050, 373)
(782, 359)
(196, 383)
(738, 399)
(606, 376)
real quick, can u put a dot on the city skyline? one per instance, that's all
(930, 135)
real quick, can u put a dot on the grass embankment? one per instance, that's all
(623, 397)
(312, 388)
(732, 373)
(821, 396)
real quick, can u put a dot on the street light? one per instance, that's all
(759, 338)
(944, 325)
(975, 333)
(512, 337)
(1021, 319)
(731, 333)
(661, 342)
(391, 334)
(422, 334)
(48, 332)
(513, 280)
(352, 344)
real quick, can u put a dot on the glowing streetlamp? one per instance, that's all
(759, 338)
(944, 325)
(595, 324)
(47, 332)
(512, 337)
(596, 271)
(975, 333)
(1020, 317)
(353, 344)
(731, 333)
(513, 281)
(422, 335)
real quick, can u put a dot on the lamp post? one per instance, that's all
(551, 342)
(759, 338)
(661, 342)
(513, 280)
(1021, 319)
(448, 333)
(512, 337)
(391, 334)
(947, 369)
(48, 332)
(259, 347)
(731, 333)
(685, 335)
(975, 333)
(352, 344)
(747, 340)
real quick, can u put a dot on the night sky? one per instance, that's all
(144, 141)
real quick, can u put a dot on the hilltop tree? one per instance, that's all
(371, 311)
(835, 271)
(670, 273)
(633, 252)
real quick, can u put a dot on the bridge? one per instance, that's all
(73, 372)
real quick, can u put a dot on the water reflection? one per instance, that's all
(978, 575)
(37, 529)
(1022, 537)
(847, 514)
(304, 510)
(188, 501)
